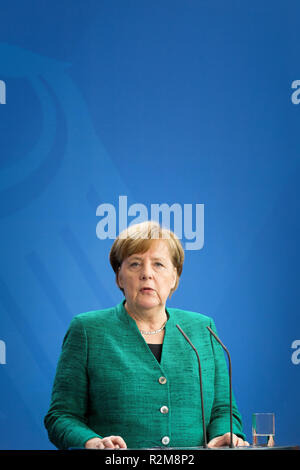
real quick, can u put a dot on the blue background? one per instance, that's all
(170, 101)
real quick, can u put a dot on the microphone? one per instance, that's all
(201, 388)
(230, 381)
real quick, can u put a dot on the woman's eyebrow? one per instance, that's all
(154, 258)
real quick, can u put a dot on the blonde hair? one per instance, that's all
(138, 239)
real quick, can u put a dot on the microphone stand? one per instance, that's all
(230, 381)
(201, 387)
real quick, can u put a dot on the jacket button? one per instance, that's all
(165, 440)
(162, 380)
(164, 410)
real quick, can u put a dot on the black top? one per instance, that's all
(156, 349)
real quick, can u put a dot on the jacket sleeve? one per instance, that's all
(66, 420)
(220, 416)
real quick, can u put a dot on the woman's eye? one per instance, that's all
(158, 264)
(134, 264)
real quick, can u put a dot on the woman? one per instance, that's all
(126, 376)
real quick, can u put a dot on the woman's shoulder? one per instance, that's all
(94, 317)
(189, 315)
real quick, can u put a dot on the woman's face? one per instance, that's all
(147, 278)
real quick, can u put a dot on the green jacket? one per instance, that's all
(108, 382)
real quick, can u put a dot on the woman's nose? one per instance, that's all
(146, 271)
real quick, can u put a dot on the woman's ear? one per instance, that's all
(119, 278)
(175, 277)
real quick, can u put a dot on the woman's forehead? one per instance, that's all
(157, 249)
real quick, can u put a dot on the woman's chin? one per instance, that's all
(148, 302)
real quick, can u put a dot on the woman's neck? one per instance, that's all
(147, 319)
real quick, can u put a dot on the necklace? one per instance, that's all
(153, 332)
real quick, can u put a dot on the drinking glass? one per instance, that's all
(263, 429)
